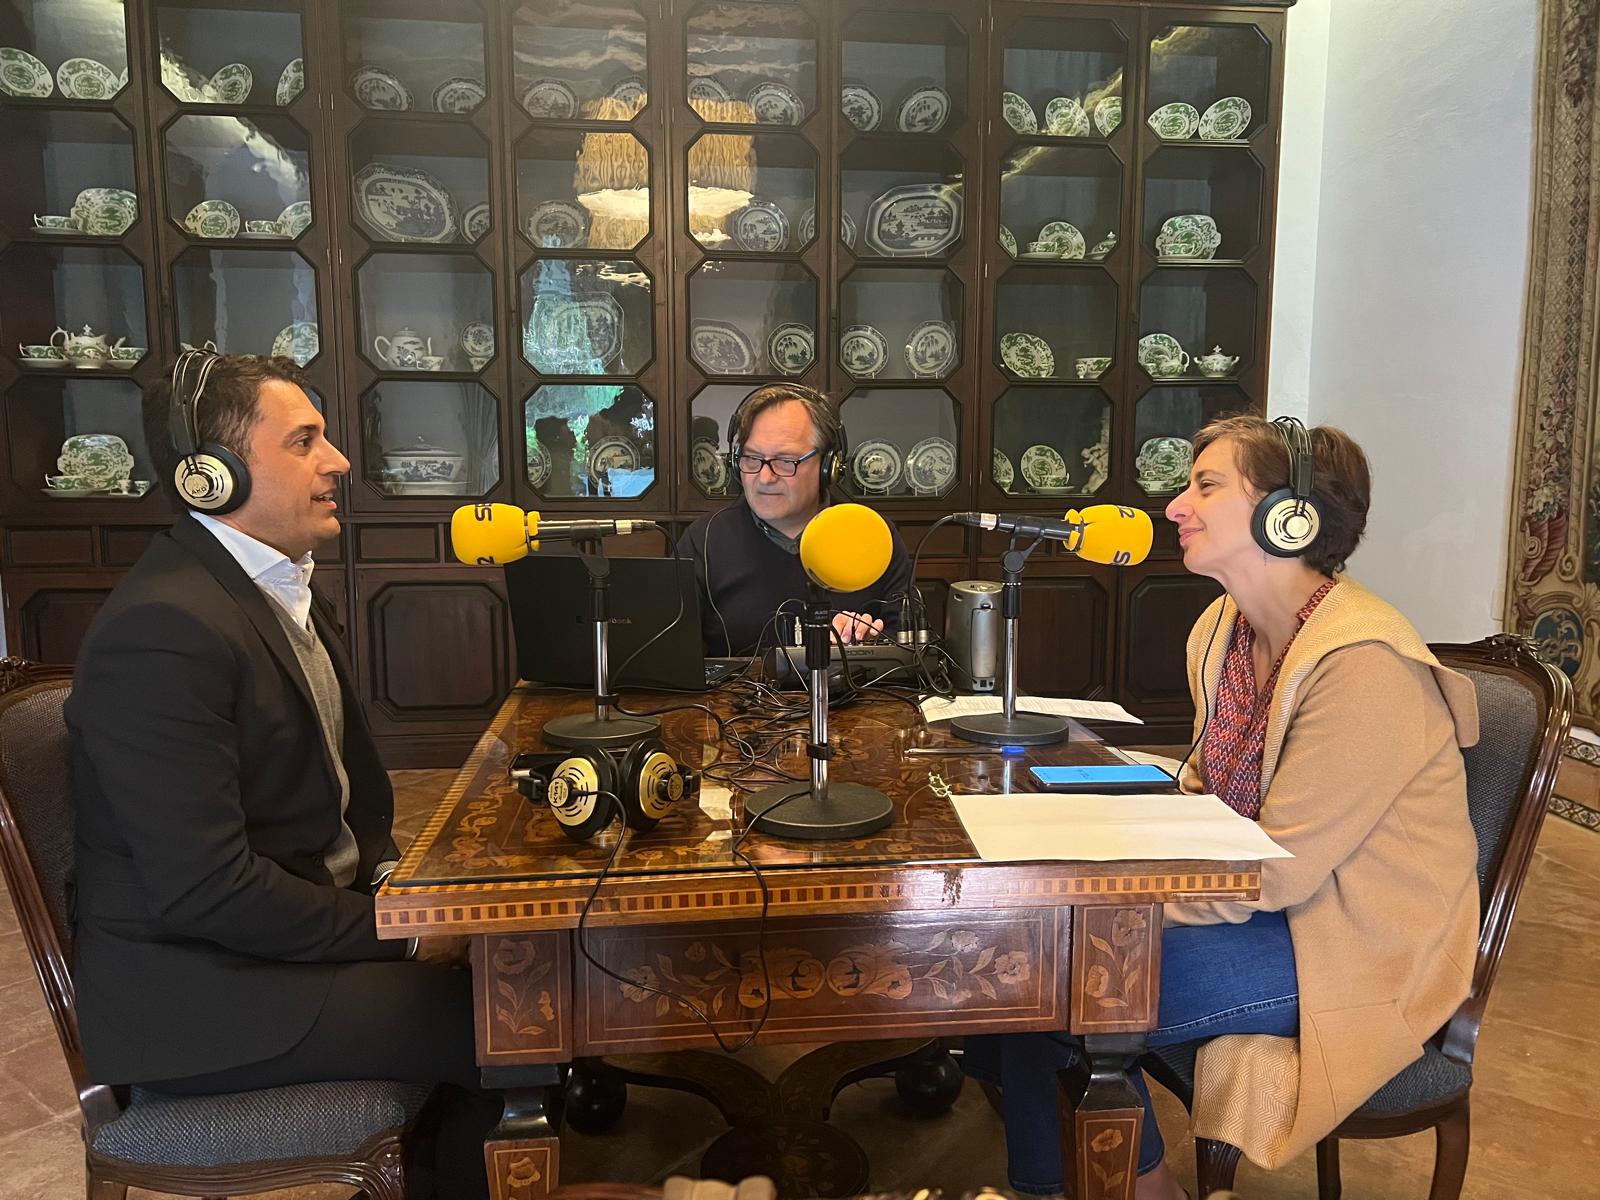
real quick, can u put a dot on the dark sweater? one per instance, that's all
(744, 576)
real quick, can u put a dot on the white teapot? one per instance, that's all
(1217, 364)
(404, 349)
(87, 346)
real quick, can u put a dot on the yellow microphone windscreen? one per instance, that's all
(490, 534)
(846, 547)
(1112, 534)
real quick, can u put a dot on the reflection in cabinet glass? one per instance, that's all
(237, 176)
(903, 76)
(228, 54)
(751, 192)
(570, 54)
(741, 316)
(584, 190)
(587, 317)
(1063, 77)
(430, 439)
(903, 442)
(763, 54)
(1051, 441)
(247, 302)
(65, 49)
(430, 312)
(590, 440)
(411, 62)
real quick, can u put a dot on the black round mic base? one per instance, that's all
(851, 810)
(585, 729)
(1023, 729)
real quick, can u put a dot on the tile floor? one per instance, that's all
(1536, 1103)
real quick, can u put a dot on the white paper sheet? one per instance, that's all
(938, 708)
(1030, 826)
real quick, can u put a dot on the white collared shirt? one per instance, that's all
(287, 583)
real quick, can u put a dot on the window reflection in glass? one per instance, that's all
(587, 317)
(763, 54)
(1050, 441)
(231, 55)
(248, 175)
(247, 302)
(587, 190)
(590, 440)
(413, 64)
(752, 192)
(568, 55)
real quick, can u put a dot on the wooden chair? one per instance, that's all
(346, 1132)
(1524, 711)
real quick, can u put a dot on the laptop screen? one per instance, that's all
(554, 627)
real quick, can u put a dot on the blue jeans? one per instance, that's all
(1215, 979)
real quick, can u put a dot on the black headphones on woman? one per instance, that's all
(210, 478)
(585, 787)
(1288, 520)
(834, 451)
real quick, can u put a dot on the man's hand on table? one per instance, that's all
(857, 627)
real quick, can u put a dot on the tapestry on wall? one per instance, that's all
(1553, 589)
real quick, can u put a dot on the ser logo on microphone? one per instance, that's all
(1123, 558)
(482, 512)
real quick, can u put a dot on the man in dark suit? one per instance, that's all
(232, 814)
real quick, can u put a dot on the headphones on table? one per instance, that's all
(834, 452)
(210, 478)
(1288, 520)
(584, 787)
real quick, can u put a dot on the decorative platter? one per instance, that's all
(861, 106)
(1064, 117)
(863, 351)
(291, 83)
(931, 465)
(558, 223)
(1174, 122)
(792, 348)
(876, 466)
(924, 110)
(85, 79)
(1043, 467)
(404, 204)
(1027, 355)
(1226, 120)
(232, 84)
(915, 220)
(931, 349)
(776, 103)
(1001, 469)
(721, 348)
(550, 99)
(760, 226)
(459, 95)
(1108, 115)
(379, 89)
(21, 74)
(299, 341)
(1018, 113)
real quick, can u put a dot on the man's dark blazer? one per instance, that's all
(205, 795)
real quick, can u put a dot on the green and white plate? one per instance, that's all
(85, 79)
(1004, 473)
(1064, 238)
(295, 219)
(298, 341)
(292, 82)
(1027, 355)
(213, 219)
(105, 212)
(1174, 122)
(1108, 115)
(1043, 467)
(1018, 113)
(231, 84)
(1064, 117)
(1155, 348)
(1188, 236)
(1226, 120)
(1009, 241)
(21, 74)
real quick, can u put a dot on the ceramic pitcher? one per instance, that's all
(403, 349)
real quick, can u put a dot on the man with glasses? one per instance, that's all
(786, 451)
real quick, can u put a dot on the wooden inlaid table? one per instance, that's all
(905, 933)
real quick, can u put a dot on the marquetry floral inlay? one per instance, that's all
(1110, 983)
(953, 967)
(521, 1002)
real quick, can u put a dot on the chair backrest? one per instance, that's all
(1524, 713)
(36, 851)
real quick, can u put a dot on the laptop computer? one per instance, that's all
(551, 620)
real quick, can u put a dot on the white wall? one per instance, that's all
(1417, 280)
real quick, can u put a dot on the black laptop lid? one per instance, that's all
(550, 616)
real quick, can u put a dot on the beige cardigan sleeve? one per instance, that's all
(1367, 722)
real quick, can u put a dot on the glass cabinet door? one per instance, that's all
(231, 55)
(761, 55)
(425, 59)
(63, 51)
(571, 55)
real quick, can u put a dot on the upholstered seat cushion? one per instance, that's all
(1430, 1079)
(305, 1120)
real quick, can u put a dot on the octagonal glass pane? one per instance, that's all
(903, 76)
(897, 323)
(227, 55)
(53, 292)
(710, 431)
(580, 59)
(419, 181)
(583, 189)
(1065, 77)
(59, 438)
(430, 439)
(1222, 73)
(247, 302)
(587, 317)
(1048, 318)
(905, 197)
(1165, 421)
(1050, 441)
(78, 51)
(903, 442)
(764, 55)
(755, 192)
(590, 440)
(1202, 203)
(752, 318)
(1192, 311)
(1060, 202)
(52, 158)
(414, 58)
(238, 176)
(432, 312)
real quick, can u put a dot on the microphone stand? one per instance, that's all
(818, 810)
(606, 728)
(1008, 727)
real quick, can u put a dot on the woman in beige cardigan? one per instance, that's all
(1320, 713)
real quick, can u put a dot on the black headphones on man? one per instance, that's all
(210, 478)
(834, 451)
(585, 787)
(1288, 520)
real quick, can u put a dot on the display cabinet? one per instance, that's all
(538, 252)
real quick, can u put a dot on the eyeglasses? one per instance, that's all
(784, 468)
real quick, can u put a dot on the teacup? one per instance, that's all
(1042, 248)
(1170, 368)
(67, 483)
(54, 221)
(430, 362)
(38, 353)
(121, 353)
(479, 361)
(1093, 368)
(267, 227)
(122, 487)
